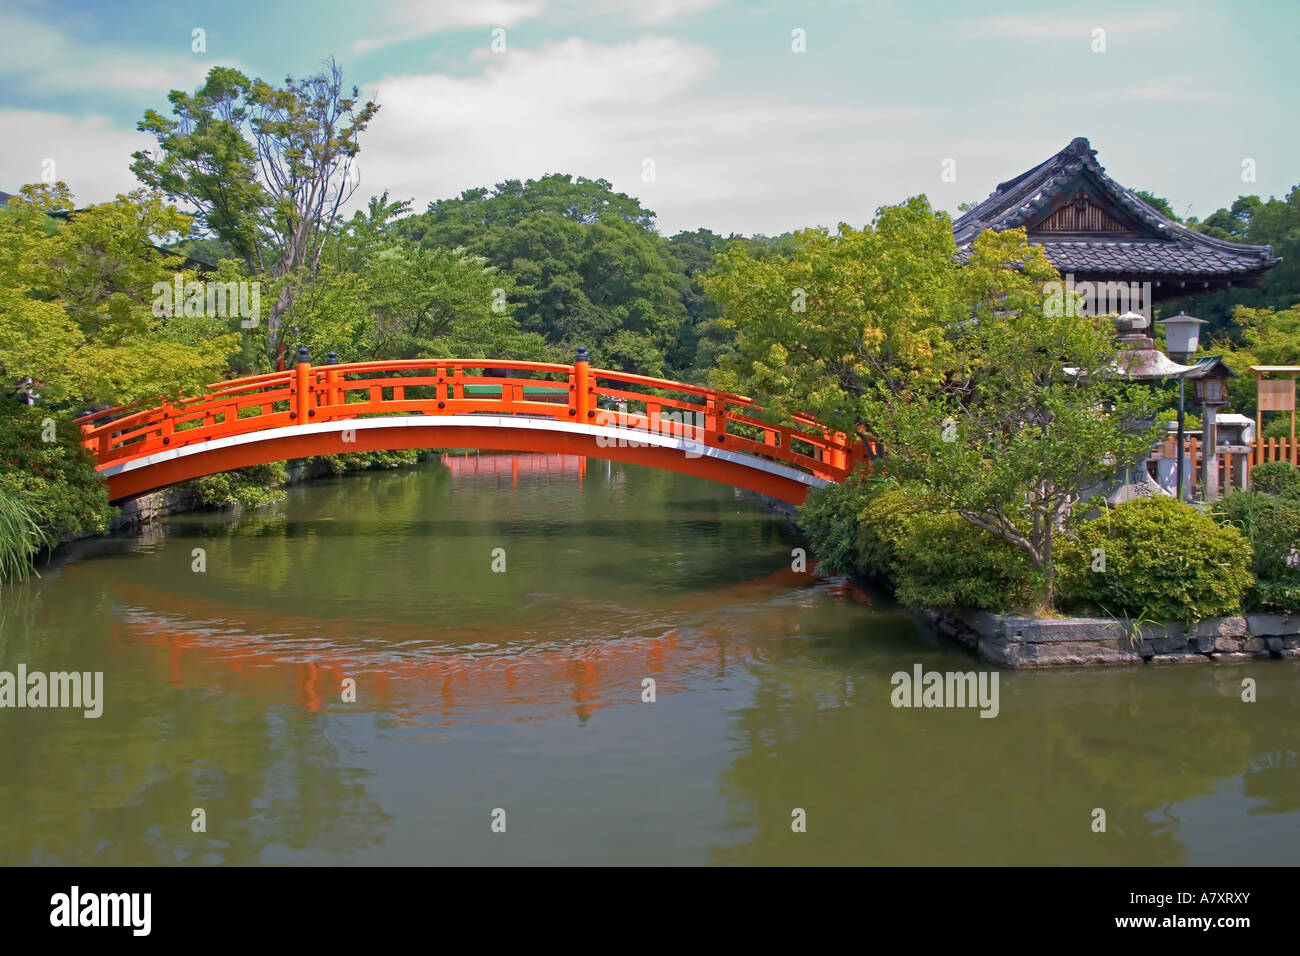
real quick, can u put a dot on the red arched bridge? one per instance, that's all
(466, 403)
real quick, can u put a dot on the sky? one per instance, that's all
(706, 110)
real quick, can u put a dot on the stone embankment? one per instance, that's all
(1013, 641)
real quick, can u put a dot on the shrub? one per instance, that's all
(1276, 478)
(247, 487)
(829, 517)
(56, 480)
(883, 526)
(880, 528)
(367, 460)
(944, 561)
(1272, 526)
(1164, 560)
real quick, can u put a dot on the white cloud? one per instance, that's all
(418, 18)
(88, 153)
(39, 58)
(661, 11)
(732, 162)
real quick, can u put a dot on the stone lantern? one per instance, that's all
(1139, 359)
(1210, 376)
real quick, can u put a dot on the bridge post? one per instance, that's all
(168, 424)
(583, 386)
(302, 387)
(839, 457)
(333, 395)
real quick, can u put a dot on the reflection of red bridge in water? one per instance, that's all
(516, 466)
(454, 403)
(448, 678)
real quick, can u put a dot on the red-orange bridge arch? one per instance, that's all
(466, 403)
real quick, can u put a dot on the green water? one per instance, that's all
(521, 691)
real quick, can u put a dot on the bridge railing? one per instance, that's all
(309, 393)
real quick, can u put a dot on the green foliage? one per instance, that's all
(266, 170)
(997, 407)
(1279, 426)
(830, 519)
(455, 222)
(55, 480)
(434, 303)
(1274, 222)
(587, 266)
(943, 561)
(1158, 203)
(367, 460)
(1272, 526)
(77, 308)
(880, 528)
(1191, 420)
(1164, 560)
(245, 487)
(1276, 478)
(843, 315)
(1262, 337)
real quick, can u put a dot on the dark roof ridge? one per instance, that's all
(1018, 200)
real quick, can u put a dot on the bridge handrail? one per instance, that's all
(326, 392)
(383, 366)
(634, 379)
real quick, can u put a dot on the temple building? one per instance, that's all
(1096, 231)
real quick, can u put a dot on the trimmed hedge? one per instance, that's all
(932, 560)
(944, 561)
(1276, 478)
(1164, 561)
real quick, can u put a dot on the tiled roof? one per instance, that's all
(1164, 247)
(1177, 257)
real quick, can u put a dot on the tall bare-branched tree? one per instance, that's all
(264, 168)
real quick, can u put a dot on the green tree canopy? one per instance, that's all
(986, 405)
(265, 169)
(77, 306)
(588, 267)
(1274, 222)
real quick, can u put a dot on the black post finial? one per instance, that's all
(332, 358)
(583, 355)
(304, 355)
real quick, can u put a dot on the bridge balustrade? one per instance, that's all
(629, 403)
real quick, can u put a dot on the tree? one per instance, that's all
(351, 247)
(1267, 337)
(1028, 418)
(77, 306)
(589, 269)
(265, 168)
(816, 331)
(1158, 203)
(701, 341)
(438, 303)
(1275, 222)
(459, 221)
(987, 406)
